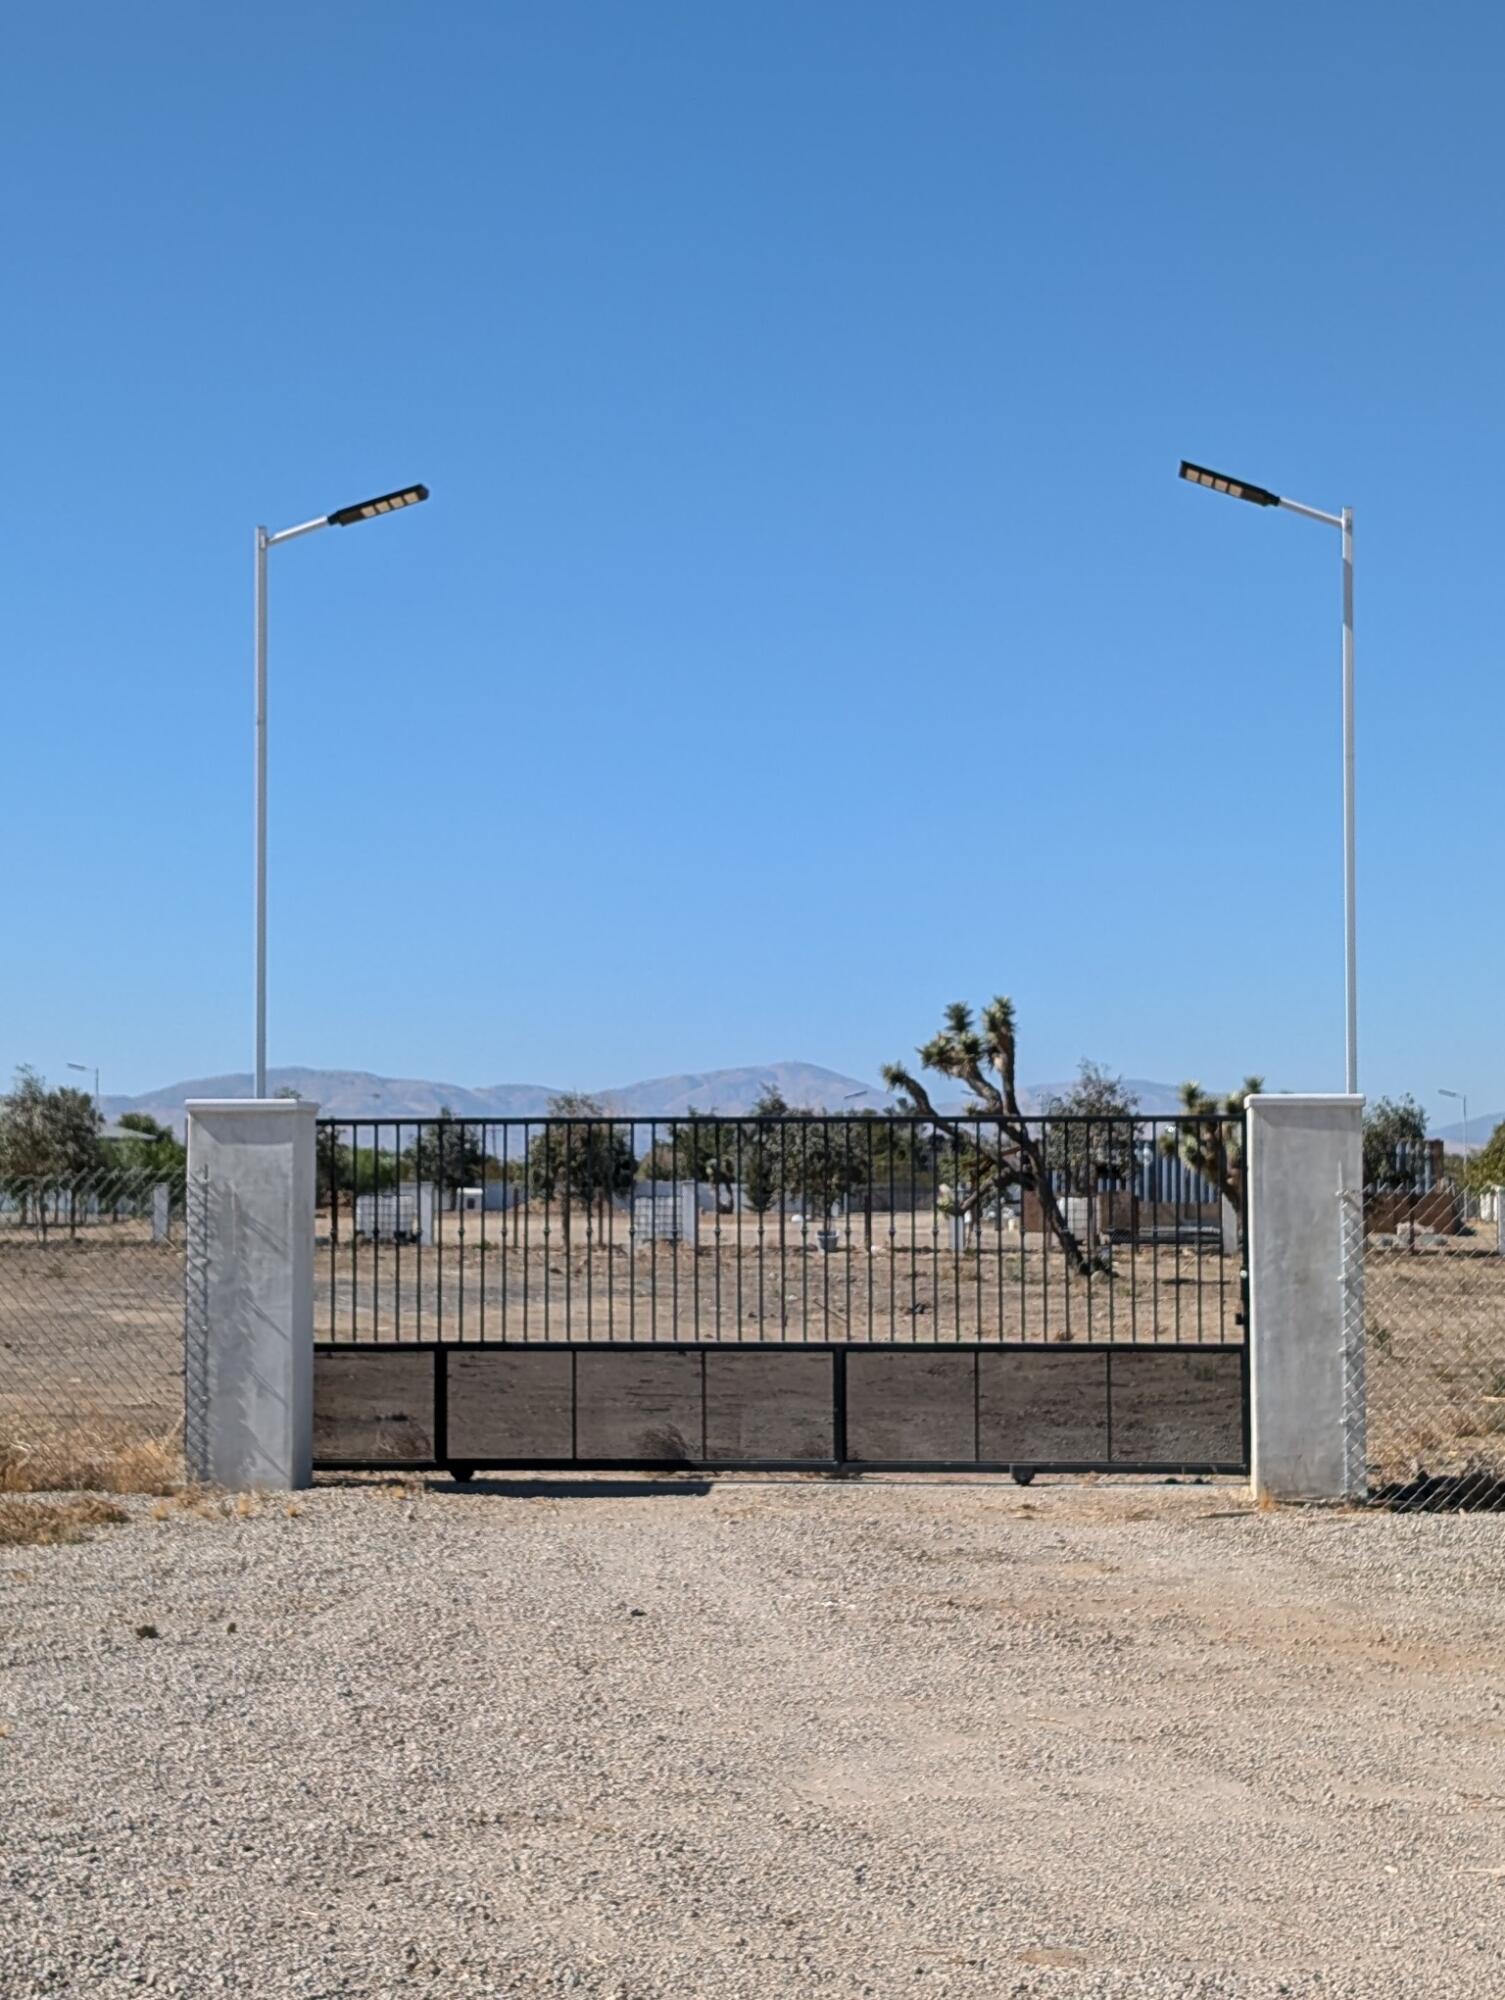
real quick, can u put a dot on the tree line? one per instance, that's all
(52, 1154)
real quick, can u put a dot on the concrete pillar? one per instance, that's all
(1304, 1380)
(251, 1220)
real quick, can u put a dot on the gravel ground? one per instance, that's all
(755, 1739)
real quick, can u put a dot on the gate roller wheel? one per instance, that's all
(1023, 1474)
(462, 1472)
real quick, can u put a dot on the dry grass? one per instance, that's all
(46, 1523)
(81, 1460)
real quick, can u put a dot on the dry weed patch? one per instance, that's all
(38, 1523)
(82, 1461)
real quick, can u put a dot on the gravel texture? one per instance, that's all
(755, 1739)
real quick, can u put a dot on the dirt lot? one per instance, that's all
(91, 1333)
(758, 1739)
(530, 1287)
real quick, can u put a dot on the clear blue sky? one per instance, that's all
(808, 625)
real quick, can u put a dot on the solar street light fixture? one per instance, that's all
(385, 503)
(1236, 489)
(1261, 496)
(341, 517)
(85, 1068)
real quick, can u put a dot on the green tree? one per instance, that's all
(342, 1171)
(75, 1124)
(27, 1157)
(703, 1148)
(824, 1160)
(448, 1151)
(761, 1157)
(1487, 1167)
(49, 1144)
(152, 1153)
(583, 1164)
(1006, 1152)
(1395, 1137)
(658, 1162)
(760, 1179)
(1102, 1153)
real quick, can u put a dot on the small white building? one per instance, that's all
(489, 1198)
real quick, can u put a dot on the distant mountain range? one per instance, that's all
(344, 1093)
(1480, 1125)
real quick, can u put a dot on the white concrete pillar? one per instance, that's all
(1302, 1152)
(251, 1209)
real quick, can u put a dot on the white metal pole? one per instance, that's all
(1350, 916)
(261, 812)
(1465, 1156)
(407, 496)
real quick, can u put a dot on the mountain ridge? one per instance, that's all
(355, 1094)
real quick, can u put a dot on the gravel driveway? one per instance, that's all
(755, 1739)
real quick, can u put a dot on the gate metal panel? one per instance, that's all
(1043, 1404)
(510, 1403)
(375, 1405)
(938, 1407)
(766, 1404)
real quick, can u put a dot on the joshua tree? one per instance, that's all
(1213, 1144)
(1005, 1153)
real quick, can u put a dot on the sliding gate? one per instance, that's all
(811, 1294)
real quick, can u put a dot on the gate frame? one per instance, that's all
(251, 1297)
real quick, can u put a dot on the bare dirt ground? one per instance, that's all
(755, 1739)
(91, 1333)
(529, 1286)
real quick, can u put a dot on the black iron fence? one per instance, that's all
(802, 1229)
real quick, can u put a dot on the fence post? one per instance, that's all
(251, 1213)
(1302, 1152)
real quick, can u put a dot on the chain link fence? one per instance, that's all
(1424, 1292)
(91, 1332)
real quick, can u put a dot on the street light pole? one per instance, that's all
(1261, 496)
(342, 517)
(1460, 1097)
(1350, 889)
(84, 1067)
(261, 812)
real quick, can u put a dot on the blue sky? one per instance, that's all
(808, 626)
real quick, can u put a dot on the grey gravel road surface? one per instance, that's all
(756, 1739)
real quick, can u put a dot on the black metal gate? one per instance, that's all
(799, 1293)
